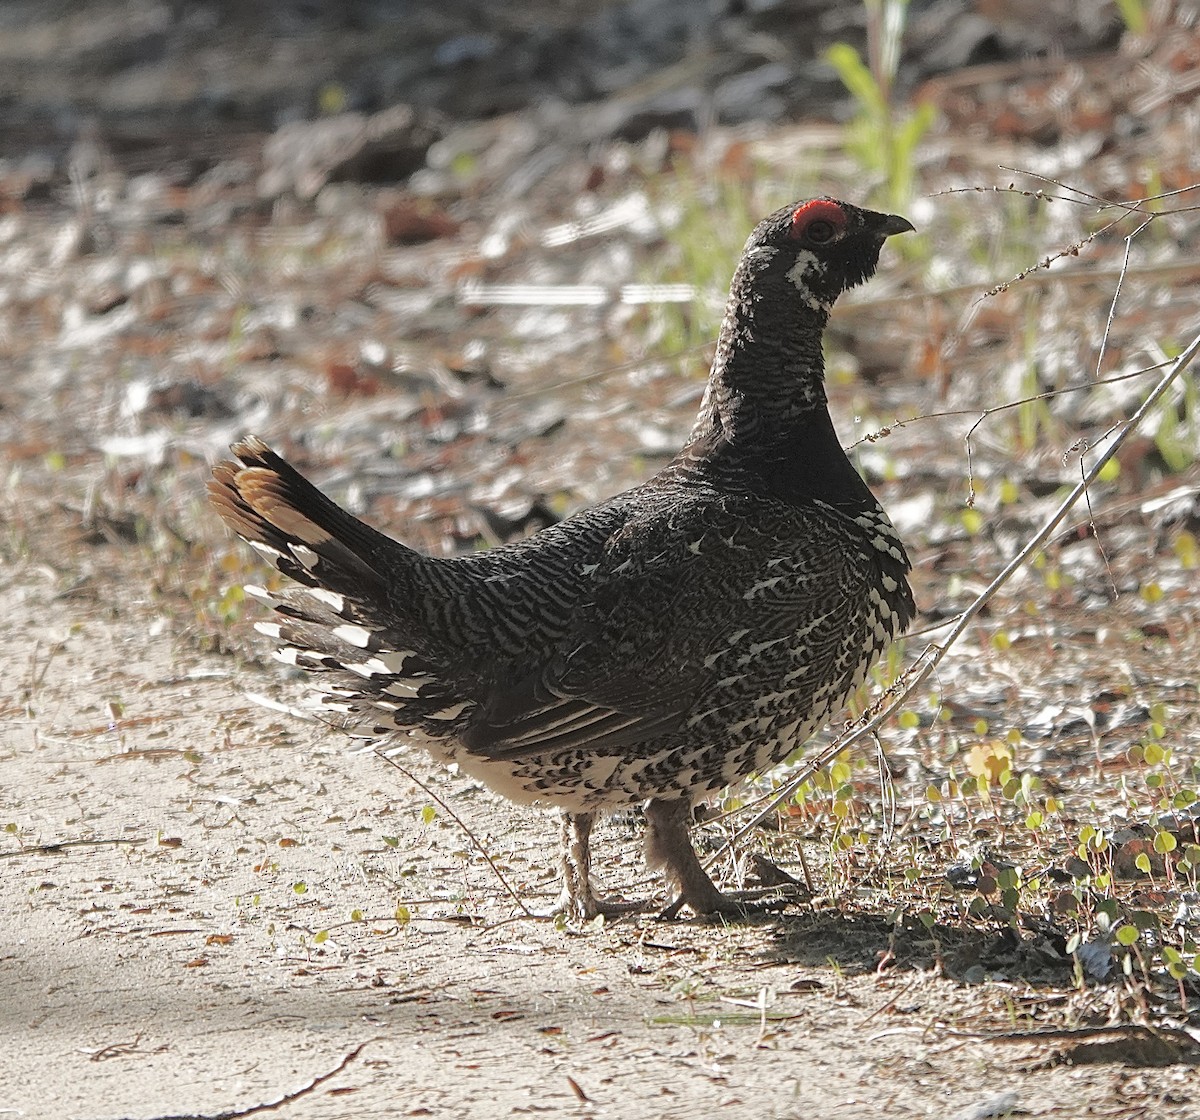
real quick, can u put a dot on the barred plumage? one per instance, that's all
(655, 648)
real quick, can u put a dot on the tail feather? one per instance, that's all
(301, 532)
(338, 623)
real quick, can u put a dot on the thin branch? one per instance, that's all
(1172, 1036)
(982, 414)
(461, 824)
(932, 655)
(1087, 199)
(1133, 206)
(56, 846)
(1095, 531)
(1112, 307)
(271, 1105)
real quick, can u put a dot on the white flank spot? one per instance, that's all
(329, 598)
(889, 584)
(402, 689)
(287, 655)
(266, 550)
(588, 569)
(271, 629)
(394, 659)
(261, 594)
(757, 647)
(737, 636)
(372, 668)
(761, 585)
(305, 555)
(694, 549)
(354, 635)
(452, 712)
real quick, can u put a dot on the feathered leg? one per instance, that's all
(669, 849)
(577, 900)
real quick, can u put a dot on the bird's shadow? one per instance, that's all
(860, 941)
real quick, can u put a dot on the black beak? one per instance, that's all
(887, 224)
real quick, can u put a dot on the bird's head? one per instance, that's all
(813, 251)
(768, 371)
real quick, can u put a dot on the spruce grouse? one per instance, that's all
(655, 648)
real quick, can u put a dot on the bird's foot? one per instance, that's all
(734, 906)
(579, 907)
(578, 902)
(669, 847)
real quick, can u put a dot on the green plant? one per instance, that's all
(881, 139)
(1177, 435)
(713, 219)
(1133, 14)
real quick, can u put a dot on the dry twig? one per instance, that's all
(271, 1105)
(424, 787)
(891, 702)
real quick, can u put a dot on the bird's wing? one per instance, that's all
(674, 589)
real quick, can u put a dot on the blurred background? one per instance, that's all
(463, 264)
(429, 231)
(150, 73)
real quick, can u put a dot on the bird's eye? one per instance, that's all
(819, 232)
(817, 222)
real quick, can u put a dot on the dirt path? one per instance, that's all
(209, 902)
(171, 965)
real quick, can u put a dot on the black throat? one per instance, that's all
(799, 465)
(764, 423)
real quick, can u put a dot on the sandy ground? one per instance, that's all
(209, 903)
(168, 958)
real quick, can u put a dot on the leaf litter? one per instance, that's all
(445, 361)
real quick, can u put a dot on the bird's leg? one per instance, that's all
(669, 849)
(577, 899)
